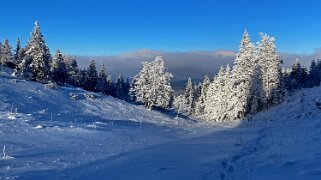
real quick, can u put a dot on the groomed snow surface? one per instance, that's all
(49, 135)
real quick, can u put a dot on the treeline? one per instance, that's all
(298, 76)
(254, 83)
(34, 62)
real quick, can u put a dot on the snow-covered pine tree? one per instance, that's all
(127, 89)
(180, 104)
(58, 69)
(120, 88)
(197, 93)
(37, 58)
(82, 75)
(318, 62)
(152, 85)
(200, 103)
(123, 87)
(215, 101)
(91, 77)
(131, 92)
(228, 113)
(298, 75)
(72, 70)
(257, 95)
(240, 92)
(141, 85)
(6, 58)
(305, 77)
(165, 94)
(285, 80)
(314, 74)
(16, 56)
(271, 69)
(110, 86)
(20, 63)
(102, 81)
(242, 74)
(190, 96)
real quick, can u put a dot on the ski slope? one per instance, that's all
(52, 136)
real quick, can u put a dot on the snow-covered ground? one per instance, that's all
(52, 136)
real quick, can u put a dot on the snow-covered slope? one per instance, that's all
(281, 143)
(55, 137)
(45, 129)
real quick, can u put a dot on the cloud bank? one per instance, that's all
(181, 64)
(193, 64)
(305, 59)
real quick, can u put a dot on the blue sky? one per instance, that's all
(97, 27)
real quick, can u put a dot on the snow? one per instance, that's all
(105, 138)
(39, 127)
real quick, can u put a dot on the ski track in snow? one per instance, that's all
(52, 136)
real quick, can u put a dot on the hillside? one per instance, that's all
(53, 136)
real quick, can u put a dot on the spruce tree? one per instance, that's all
(190, 96)
(314, 74)
(197, 93)
(318, 64)
(165, 94)
(271, 70)
(91, 77)
(6, 58)
(127, 86)
(110, 86)
(21, 64)
(0, 50)
(180, 104)
(17, 58)
(242, 71)
(152, 85)
(120, 88)
(216, 100)
(298, 75)
(126, 91)
(200, 105)
(229, 92)
(58, 69)
(82, 75)
(257, 96)
(72, 70)
(37, 57)
(102, 81)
